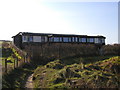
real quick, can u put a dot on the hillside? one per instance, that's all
(57, 74)
(69, 72)
(14, 70)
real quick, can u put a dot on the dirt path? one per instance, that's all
(29, 82)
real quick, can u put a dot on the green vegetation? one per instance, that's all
(17, 77)
(59, 74)
(14, 78)
(11, 54)
(72, 70)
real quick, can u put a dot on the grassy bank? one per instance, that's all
(61, 74)
(17, 77)
(10, 55)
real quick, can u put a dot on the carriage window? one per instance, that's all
(79, 40)
(30, 38)
(25, 38)
(65, 39)
(69, 39)
(73, 39)
(103, 40)
(83, 39)
(91, 40)
(60, 39)
(99, 40)
(56, 39)
(76, 39)
(96, 40)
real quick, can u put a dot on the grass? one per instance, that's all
(85, 60)
(17, 77)
(14, 78)
(41, 73)
(82, 72)
(7, 53)
(91, 75)
(60, 85)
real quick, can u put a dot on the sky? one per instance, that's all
(61, 17)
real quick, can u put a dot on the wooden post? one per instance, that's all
(5, 65)
(14, 63)
(24, 59)
(13, 55)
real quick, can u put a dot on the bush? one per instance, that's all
(111, 49)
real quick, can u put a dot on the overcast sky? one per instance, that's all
(84, 18)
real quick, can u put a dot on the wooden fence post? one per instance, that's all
(14, 63)
(23, 59)
(5, 65)
(26, 58)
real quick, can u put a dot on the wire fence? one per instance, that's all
(8, 65)
(17, 59)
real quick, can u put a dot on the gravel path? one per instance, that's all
(29, 83)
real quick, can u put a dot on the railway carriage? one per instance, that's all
(23, 38)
